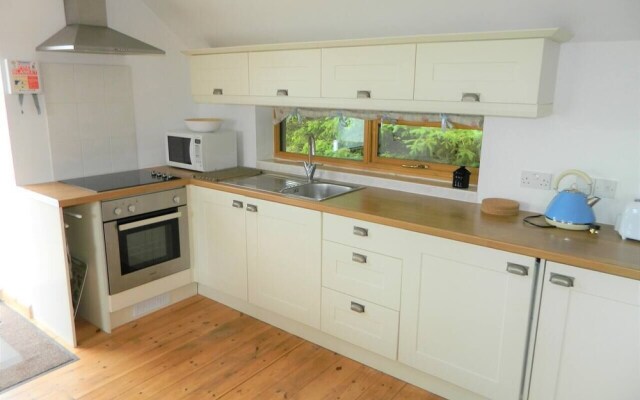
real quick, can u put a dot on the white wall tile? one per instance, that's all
(63, 121)
(120, 119)
(92, 121)
(66, 157)
(96, 157)
(124, 153)
(89, 83)
(117, 79)
(58, 83)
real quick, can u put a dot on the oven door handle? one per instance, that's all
(149, 221)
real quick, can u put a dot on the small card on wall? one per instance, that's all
(23, 77)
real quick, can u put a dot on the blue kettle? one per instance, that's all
(571, 208)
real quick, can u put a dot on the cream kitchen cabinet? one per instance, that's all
(588, 337)
(219, 240)
(497, 71)
(220, 75)
(465, 315)
(284, 250)
(369, 72)
(258, 251)
(361, 287)
(291, 73)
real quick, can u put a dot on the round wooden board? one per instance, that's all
(498, 206)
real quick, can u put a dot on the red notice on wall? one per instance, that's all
(23, 77)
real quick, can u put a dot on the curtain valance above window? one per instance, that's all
(446, 120)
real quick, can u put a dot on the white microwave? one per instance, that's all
(202, 151)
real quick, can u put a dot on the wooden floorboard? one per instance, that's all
(199, 349)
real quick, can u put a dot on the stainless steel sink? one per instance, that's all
(293, 186)
(318, 190)
(266, 182)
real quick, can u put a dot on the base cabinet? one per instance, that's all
(258, 251)
(220, 240)
(283, 246)
(588, 339)
(465, 315)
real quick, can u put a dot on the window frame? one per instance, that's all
(374, 164)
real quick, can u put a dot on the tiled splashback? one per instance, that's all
(91, 119)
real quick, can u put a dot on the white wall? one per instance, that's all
(242, 120)
(160, 83)
(595, 127)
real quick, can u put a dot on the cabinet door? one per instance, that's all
(220, 74)
(499, 71)
(284, 248)
(465, 317)
(382, 72)
(588, 338)
(220, 255)
(292, 73)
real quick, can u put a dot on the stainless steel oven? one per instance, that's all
(146, 238)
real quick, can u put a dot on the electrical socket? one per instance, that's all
(535, 180)
(605, 188)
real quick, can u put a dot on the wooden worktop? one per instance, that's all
(604, 252)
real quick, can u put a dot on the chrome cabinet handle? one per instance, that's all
(282, 92)
(517, 269)
(359, 308)
(237, 204)
(217, 91)
(359, 258)
(363, 94)
(474, 97)
(359, 231)
(74, 215)
(252, 208)
(561, 280)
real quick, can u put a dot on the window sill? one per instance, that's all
(391, 180)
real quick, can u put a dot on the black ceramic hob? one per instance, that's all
(119, 180)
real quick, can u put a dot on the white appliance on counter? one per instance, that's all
(202, 151)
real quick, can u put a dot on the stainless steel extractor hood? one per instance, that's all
(87, 32)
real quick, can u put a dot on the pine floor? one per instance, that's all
(199, 349)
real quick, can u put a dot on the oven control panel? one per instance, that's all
(142, 204)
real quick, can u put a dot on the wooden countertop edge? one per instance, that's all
(84, 196)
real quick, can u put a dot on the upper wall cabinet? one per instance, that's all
(369, 72)
(496, 73)
(220, 74)
(293, 73)
(493, 71)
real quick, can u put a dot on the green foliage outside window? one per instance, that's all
(430, 144)
(335, 138)
(344, 138)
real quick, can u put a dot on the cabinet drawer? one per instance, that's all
(362, 273)
(220, 74)
(292, 73)
(499, 71)
(366, 235)
(360, 322)
(385, 72)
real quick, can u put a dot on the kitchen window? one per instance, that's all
(426, 148)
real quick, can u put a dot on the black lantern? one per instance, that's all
(461, 178)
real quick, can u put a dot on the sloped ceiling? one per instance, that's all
(214, 23)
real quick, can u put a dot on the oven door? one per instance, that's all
(145, 248)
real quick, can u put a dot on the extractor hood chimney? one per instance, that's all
(87, 32)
